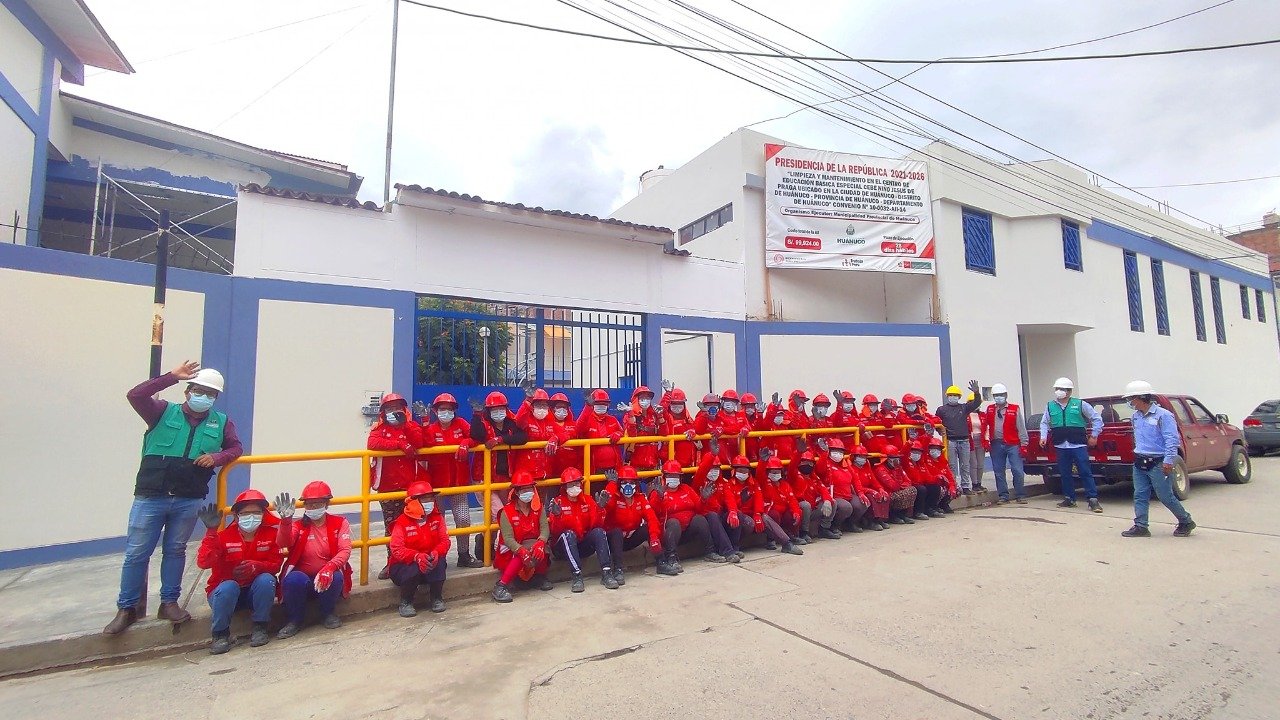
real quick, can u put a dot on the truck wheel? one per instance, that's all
(1240, 470)
(1181, 481)
(1052, 483)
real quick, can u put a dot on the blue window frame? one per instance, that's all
(1134, 291)
(1162, 297)
(1219, 324)
(1197, 306)
(1072, 258)
(979, 242)
(1244, 303)
(1258, 296)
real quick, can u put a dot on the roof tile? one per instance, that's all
(339, 200)
(521, 206)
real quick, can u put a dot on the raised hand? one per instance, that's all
(186, 370)
(611, 475)
(210, 515)
(284, 506)
(977, 390)
(602, 499)
(777, 399)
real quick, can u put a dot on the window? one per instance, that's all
(1267, 408)
(1258, 295)
(979, 242)
(1199, 414)
(706, 223)
(1162, 298)
(1215, 296)
(1113, 410)
(1071, 257)
(1244, 302)
(1134, 291)
(1180, 411)
(1197, 306)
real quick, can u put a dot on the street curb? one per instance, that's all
(152, 637)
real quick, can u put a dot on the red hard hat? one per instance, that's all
(729, 394)
(919, 444)
(676, 395)
(521, 479)
(672, 467)
(390, 398)
(570, 475)
(806, 456)
(740, 461)
(626, 472)
(846, 395)
(935, 441)
(835, 444)
(888, 404)
(419, 487)
(444, 398)
(821, 400)
(859, 450)
(250, 496)
(908, 398)
(495, 399)
(711, 399)
(539, 395)
(799, 395)
(892, 451)
(773, 464)
(869, 398)
(642, 390)
(560, 398)
(317, 490)
(749, 399)
(599, 396)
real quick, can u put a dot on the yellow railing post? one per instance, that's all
(485, 454)
(586, 468)
(364, 520)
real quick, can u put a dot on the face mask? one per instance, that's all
(750, 410)
(731, 407)
(873, 408)
(561, 413)
(953, 400)
(315, 515)
(444, 416)
(847, 407)
(199, 403)
(713, 474)
(677, 408)
(673, 483)
(800, 405)
(915, 457)
(1000, 399)
(573, 491)
(525, 496)
(859, 461)
(742, 475)
(775, 477)
(912, 432)
(713, 410)
(600, 409)
(819, 412)
(428, 507)
(910, 407)
(935, 454)
(540, 413)
(645, 403)
(778, 419)
(894, 462)
(837, 456)
(628, 489)
(498, 416)
(806, 469)
(1060, 394)
(394, 418)
(249, 523)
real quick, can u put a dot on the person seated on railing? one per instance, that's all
(894, 480)
(419, 544)
(447, 470)
(678, 507)
(811, 494)
(577, 530)
(885, 417)
(524, 531)
(781, 506)
(720, 498)
(534, 417)
(710, 420)
(930, 487)
(242, 560)
(821, 418)
(733, 420)
(939, 468)
(877, 496)
(752, 418)
(870, 406)
(849, 497)
(493, 425)
(645, 418)
(680, 422)
(629, 520)
(777, 417)
(566, 430)
(595, 422)
(317, 565)
(395, 429)
(910, 415)
(846, 415)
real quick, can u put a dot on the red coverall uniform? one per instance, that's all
(522, 543)
(902, 494)
(877, 496)
(576, 532)
(591, 426)
(629, 522)
(682, 517)
(536, 461)
(639, 422)
(418, 551)
(393, 474)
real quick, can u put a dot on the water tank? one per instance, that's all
(649, 178)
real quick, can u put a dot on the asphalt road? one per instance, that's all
(1010, 612)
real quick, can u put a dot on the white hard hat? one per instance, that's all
(1064, 383)
(210, 378)
(1138, 387)
(999, 389)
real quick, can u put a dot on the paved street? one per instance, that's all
(1011, 612)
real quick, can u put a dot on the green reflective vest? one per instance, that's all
(169, 450)
(1068, 424)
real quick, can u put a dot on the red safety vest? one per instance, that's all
(1008, 433)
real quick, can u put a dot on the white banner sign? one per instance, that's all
(846, 212)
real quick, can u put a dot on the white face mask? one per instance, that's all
(1061, 394)
(645, 403)
(540, 413)
(428, 507)
(730, 406)
(526, 496)
(910, 407)
(573, 491)
(778, 419)
(713, 474)
(915, 457)
(673, 483)
(847, 407)
(561, 413)
(837, 456)
(775, 477)
(819, 411)
(444, 416)
(859, 461)
(872, 408)
(498, 416)
(742, 475)
(1000, 399)
(935, 453)
(600, 409)
(249, 523)
(953, 400)
(316, 515)
(677, 408)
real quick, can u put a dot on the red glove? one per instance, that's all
(539, 551)
(615, 438)
(323, 579)
(759, 523)
(243, 571)
(461, 454)
(551, 448)
(655, 547)
(423, 564)
(409, 449)
(743, 432)
(986, 446)
(1022, 450)
(525, 556)
(688, 434)
(733, 519)
(492, 443)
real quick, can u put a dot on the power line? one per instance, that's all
(1195, 184)
(845, 58)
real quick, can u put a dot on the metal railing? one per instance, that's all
(487, 487)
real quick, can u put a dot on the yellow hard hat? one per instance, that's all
(953, 390)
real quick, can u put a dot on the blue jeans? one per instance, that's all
(149, 518)
(1010, 455)
(1143, 482)
(298, 589)
(229, 597)
(1080, 458)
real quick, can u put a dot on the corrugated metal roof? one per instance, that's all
(522, 206)
(338, 200)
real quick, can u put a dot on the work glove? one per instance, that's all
(863, 499)
(822, 443)
(977, 390)
(611, 475)
(477, 407)
(409, 449)
(795, 518)
(527, 387)
(622, 407)
(492, 443)
(242, 572)
(551, 447)
(777, 400)
(708, 490)
(423, 563)
(461, 453)
(602, 499)
(743, 432)
(826, 509)
(420, 410)
(689, 435)
(553, 508)
(615, 438)
(765, 454)
(210, 515)
(323, 579)
(284, 506)
(714, 444)
(734, 521)
(539, 551)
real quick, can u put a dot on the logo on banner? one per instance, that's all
(799, 242)
(916, 265)
(851, 262)
(898, 248)
(777, 258)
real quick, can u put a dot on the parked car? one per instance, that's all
(1209, 442)
(1262, 428)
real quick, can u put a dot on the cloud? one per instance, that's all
(568, 168)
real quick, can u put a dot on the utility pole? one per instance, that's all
(391, 100)
(162, 279)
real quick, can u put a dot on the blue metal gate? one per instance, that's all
(471, 347)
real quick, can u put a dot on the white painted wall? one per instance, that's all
(125, 154)
(724, 357)
(21, 56)
(315, 361)
(70, 441)
(15, 174)
(686, 361)
(855, 363)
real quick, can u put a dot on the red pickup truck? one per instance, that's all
(1209, 442)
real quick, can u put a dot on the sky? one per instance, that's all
(523, 115)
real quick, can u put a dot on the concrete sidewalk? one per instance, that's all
(55, 613)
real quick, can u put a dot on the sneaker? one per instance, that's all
(665, 567)
(577, 585)
(259, 637)
(619, 577)
(385, 573)
(741, 555)
(966, 491)
(543, 583)
(221, 643)
(879, 526)
(1184, 529)
(979, 488)
(1094, 505)
(1137, 531)
(1067, 503)
(501, 593)
(607, 579)
(1002, 501)
(806, 539)
(467, 561)
(827, 534)
(333, 622)
(921, 516)
(675, 562)
(791, 549)
(733, 558)
(895, 520)
(948, 510)
(407, 610)
(1021, 501)
(936, 513)
(289, 630)
(713, 557)
(437, 605)
(908, 520)
(770, 545)
(855, 529)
